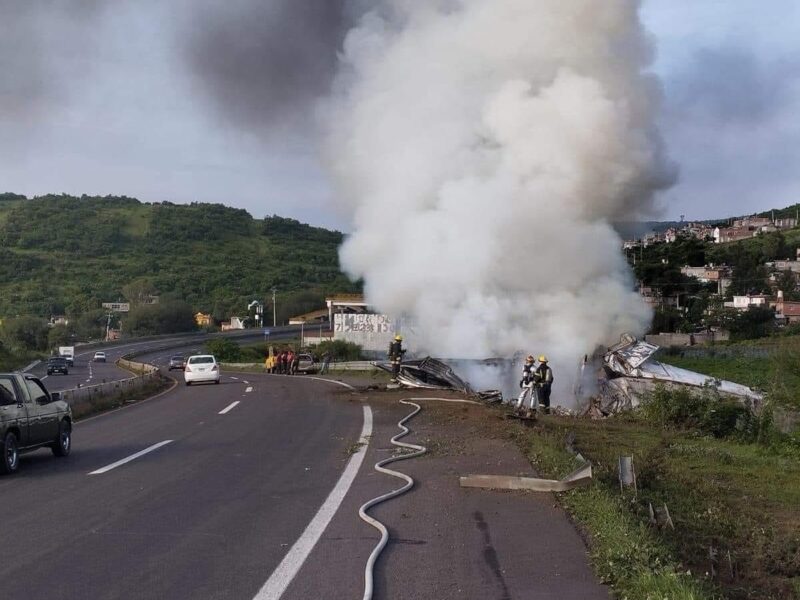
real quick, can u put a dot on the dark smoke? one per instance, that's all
(35, 37)
(263, 62)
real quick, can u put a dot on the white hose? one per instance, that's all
(416, 451)
(362, 512)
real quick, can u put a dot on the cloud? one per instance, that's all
(730, 121)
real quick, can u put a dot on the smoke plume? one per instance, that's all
(484, 147)
(265, 62)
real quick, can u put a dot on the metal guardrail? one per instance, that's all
(144, 375)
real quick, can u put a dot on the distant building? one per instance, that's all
(59, 320)
(721, 275)
(346, 304)
(203, 319)
(234, 324)
(745, 302)
(121, 307)
(723, 235)
(786, 310)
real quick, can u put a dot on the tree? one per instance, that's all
(61, 335)
(787, 283)
(755, 322)
(24, 334)
(172, 316)
(224, 350)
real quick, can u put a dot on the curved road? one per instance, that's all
(210, 514)
(216, 491)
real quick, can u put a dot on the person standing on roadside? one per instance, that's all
(282, 363)
(326, 361)
(544, 382)
(289, 361)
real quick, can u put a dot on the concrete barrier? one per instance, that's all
(92, 395)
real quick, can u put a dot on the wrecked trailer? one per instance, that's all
(630, 373)
(428, 373)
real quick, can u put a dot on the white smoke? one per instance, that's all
(484, 148)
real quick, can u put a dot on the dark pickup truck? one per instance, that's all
(31, 418)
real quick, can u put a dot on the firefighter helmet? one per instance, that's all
(398, 338)
(542, 359)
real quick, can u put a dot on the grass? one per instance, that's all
(777, 373)
(96, 406)
(734, 505)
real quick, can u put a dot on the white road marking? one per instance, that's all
(249, 389)
(246, 382)
(128, 459)
(236, 378)
(342, 383)
(229, 408)
(45, 377)
(280, 579)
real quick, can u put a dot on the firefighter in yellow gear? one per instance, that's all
(544, 382)
(396, 353)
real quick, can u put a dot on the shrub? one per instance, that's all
(224, 350)
(703, 410)
(338, 349)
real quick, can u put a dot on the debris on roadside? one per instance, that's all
(427, 373)
(629, 372)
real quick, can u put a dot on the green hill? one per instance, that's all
(67, 255)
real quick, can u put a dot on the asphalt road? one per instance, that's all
(216, 492)
(87, 372)
(208, 515)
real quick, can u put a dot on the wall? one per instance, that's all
(373, 333)
(666, 340)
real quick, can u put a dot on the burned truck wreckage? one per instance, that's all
(609, 382)
(629, 371)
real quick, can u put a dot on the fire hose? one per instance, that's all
(409, 483)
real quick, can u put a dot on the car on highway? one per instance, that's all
(57, 364)
(306, 363)
(99, 357)
(201, 368)
(31, 418)
(177, 362)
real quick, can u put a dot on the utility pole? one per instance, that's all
(274, 309)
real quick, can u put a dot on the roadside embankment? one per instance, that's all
(147, 380)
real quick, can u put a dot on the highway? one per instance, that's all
(87, 372)
(250, 490)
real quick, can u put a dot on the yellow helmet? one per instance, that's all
(530, 358)
(543, 358)
(398, 338)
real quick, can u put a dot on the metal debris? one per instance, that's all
(428, 373)
(629, 372)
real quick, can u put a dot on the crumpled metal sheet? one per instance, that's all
(633, 373)
(428, 373)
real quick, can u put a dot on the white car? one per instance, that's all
(99, 357)
(203, 367)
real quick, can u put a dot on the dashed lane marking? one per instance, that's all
(249, 389)
(128, 459)
(229, 408)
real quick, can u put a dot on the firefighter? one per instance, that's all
(544, 382)
(527, 385)
(396, 353)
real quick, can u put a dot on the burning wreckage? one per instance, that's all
(615, 381)
(629, 372)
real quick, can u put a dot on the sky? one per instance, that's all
(113, 98)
